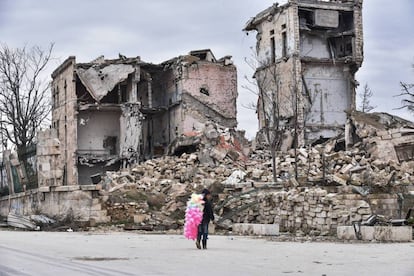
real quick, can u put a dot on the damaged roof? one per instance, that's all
(263, 15)
(101, 61)
(268, 13)
(195, 56)
(100, 81)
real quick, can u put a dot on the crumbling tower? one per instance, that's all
(313, 50)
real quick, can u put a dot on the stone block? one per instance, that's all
(140, 218)
(321, 214)
(379, 233)
(338, 179)
(256, 229)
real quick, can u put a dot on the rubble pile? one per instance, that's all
(155, 192)
(323, 164)
(331, 188)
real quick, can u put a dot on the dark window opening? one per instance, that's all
(305, 19)
(273, 49)
(346, 21)
(204, 90)
(142, 93)
(109, 143)
(82, 94)
(201, 56)
(340, 145)
(272, 32)
(54, 105)
(319, 141)
(284, 44)
(117, 95)
(185, 149)
(341, 46)
(57, 96)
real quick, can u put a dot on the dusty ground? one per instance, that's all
(82, 253)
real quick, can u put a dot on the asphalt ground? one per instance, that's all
(127, 253)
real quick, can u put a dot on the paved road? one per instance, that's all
(45, 253)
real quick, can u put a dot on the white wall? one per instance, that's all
(94, 127)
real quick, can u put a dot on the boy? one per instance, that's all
(207, 216)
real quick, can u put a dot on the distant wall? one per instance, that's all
(81, 202)
(309, 209)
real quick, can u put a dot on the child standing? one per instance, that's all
(207, 216)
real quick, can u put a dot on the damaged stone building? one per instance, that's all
(308, 52)
(108, 114)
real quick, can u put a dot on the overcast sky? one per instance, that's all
(158, 30)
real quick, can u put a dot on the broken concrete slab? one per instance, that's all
(100, 81)
(19, 221)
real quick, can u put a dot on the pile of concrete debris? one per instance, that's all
(324, 164)
(333, 186)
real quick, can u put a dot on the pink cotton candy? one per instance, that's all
(193, 217)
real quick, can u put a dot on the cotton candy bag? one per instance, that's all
(193, 216)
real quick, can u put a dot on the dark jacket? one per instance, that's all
(208, 212)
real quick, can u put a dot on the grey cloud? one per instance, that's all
(161, 29)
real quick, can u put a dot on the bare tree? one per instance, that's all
(366, 96)
(270, 107)
(24, 93)
(408, 94)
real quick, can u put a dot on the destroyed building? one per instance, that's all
(308, 52)
(108, 114)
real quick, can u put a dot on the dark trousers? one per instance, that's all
(203, 231)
